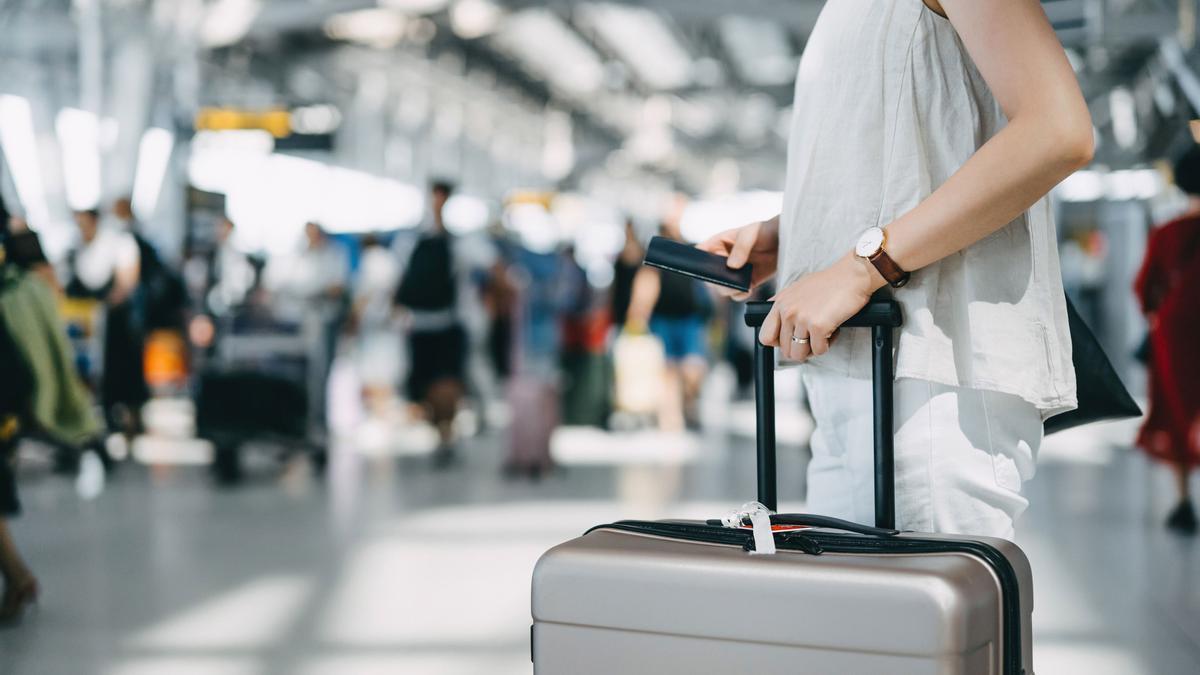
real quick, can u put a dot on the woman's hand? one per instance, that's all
(813, 306)
(756, 243)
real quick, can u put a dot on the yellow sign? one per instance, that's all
(276, 122)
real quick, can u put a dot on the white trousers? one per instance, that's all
(961, 454)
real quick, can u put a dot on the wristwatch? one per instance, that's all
(871, 247)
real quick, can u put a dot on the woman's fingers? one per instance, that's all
(742, 245)
(818, 341)
(768, 335)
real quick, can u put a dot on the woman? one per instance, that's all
(106, 267)
(1166, 288)
(925, 138)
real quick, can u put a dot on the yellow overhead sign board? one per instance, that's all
(276, 122)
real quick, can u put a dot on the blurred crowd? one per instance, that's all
(422, 321)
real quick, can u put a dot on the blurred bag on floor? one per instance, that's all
(586, 389)
(237, 404)
(534, 403)
(639, 363)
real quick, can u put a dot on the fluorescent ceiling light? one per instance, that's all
(228, 21)
(415, 6)
(19, 142)
(471, 19)
(642, 39)
(704, 218)
(549, 48)
(376, 27)
(760, 50)
(465, 214)
(154, 156)
(79, 140)
(1091, 185)
(1123, 109)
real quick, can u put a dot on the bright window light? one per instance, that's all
(643, 40)
(377, 27)
(228, 21)
(154, 155)
(19, 141)
(1081, 186)
(1124, 117)
(271, 196)
(465, 214)
(79, 140)
(548, 47)
(1092, 185)
(471, 19)
(537, 229)
(705, 217)
(416, 6)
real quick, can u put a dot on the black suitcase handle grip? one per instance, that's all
(876, 313)
(882, 316)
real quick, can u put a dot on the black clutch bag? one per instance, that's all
(1102, 395)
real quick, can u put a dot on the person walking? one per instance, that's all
(674, 308)
(925, 138)
(1166, 288)
(431, 285)
(106, 267)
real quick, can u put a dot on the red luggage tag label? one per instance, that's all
(777, 529)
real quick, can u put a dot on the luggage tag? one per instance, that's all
(760, 522)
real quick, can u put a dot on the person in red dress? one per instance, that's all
(1168, 288)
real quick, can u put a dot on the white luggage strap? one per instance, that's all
(760, 519)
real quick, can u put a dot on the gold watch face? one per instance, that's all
(869, 243)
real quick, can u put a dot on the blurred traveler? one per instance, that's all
(320, 280)
(163, 291)
(625, 268)
(431, 284)
(24, 249)
(983, 117)
(500, 301)
(40, 393)
(230, 276)
(378, 345)
(586, 370)
(674, 306)
(105, 267)
(1166, 287)
(533, 386)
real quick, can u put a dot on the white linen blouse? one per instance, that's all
(888, 105)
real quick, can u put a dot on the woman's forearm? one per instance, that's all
(1010, 172)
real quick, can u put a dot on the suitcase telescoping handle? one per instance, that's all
(881, 316)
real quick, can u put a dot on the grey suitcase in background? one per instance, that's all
(641, 597)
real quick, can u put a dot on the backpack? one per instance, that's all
(428, 282)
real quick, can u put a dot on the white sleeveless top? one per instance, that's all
(887, 106)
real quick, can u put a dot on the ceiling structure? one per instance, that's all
(697, 91)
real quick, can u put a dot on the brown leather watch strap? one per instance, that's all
(888, 269)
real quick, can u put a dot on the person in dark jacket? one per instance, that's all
(429, 289)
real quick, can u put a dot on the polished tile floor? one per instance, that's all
(389, 567)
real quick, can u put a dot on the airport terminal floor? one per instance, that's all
(389, 566)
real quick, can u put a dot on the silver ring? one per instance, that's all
(799, 340)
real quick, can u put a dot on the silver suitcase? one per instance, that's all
(636, 597)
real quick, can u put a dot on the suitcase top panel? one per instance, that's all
(920, 605)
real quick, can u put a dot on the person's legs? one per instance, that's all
(670, 410)
(961, 455)
(1182, 518)
(20, 586)
(693, 367)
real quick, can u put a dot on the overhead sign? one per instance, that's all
(276, 122)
